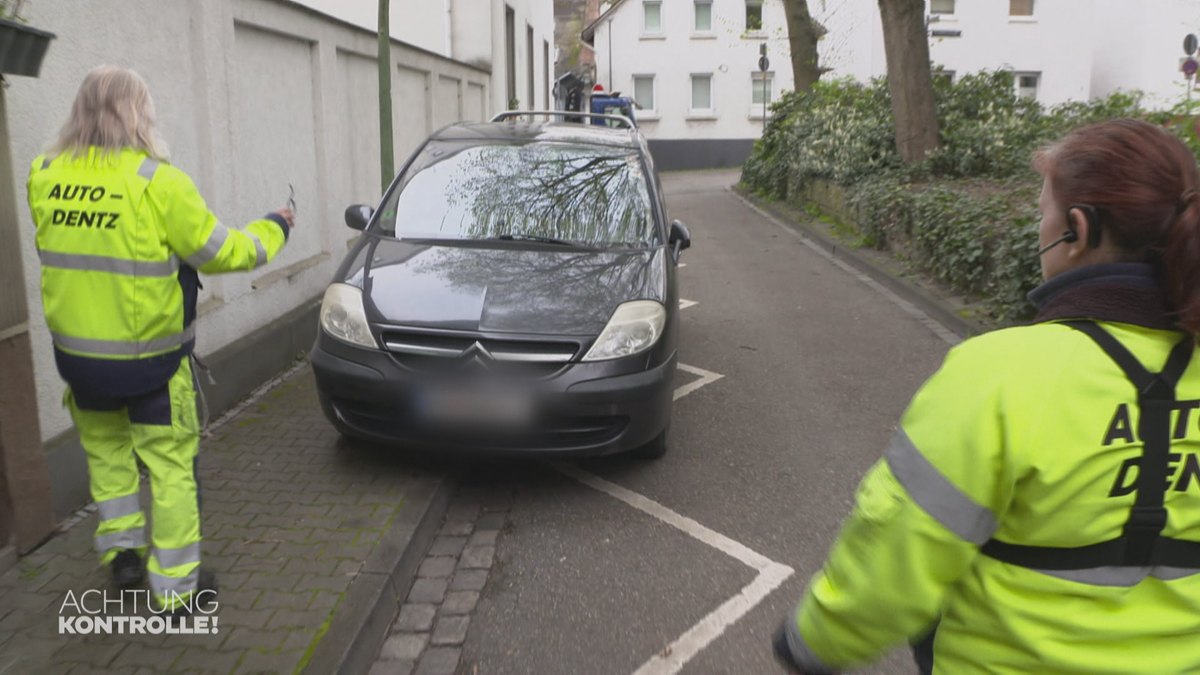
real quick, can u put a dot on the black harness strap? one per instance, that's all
(1141, 544)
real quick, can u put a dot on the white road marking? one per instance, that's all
(770, 575)
(706, 377)
(684, 304)
(929, 322)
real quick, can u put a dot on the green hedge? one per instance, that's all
(967, 215)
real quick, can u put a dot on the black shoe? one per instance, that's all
(206, 594)
(127, 569)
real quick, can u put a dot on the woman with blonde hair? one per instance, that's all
(122, 235)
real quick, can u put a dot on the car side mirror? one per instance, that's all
(680, 238)
(358, 216)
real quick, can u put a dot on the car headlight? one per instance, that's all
(633, 328)
(343, 316)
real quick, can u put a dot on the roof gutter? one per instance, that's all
(588, 36)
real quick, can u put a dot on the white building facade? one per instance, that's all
(254, 95)
(1058, 50)
(692, 64)
(692, 67)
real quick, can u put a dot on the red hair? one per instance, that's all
(1144, 182)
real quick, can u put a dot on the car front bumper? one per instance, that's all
(586, 409)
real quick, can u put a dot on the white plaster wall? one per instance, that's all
(540, 15)
(853, 47)
(421, 23)
(1141, 49)
(1057, 41)
(729, 56)
(472, 31)
(251, 95)
(469, 31)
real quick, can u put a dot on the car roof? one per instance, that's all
(517, 131)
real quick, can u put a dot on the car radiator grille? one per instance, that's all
(458, 353)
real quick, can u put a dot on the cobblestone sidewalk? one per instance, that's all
(290, 514)
(427, 635)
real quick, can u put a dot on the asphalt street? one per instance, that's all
(815, 370)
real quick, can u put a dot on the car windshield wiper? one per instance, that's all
(535, 237)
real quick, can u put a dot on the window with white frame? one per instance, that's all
(1027, 84)
(652, 23)
(941, 7)
(1020, 7)
(761, 88)
(702, 99)
(754, 16)
(704, 17)
(643, 91)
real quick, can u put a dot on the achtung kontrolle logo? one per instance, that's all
(95, 613)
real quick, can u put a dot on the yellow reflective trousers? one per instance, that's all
(162, 429)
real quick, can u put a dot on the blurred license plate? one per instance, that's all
(476, 406)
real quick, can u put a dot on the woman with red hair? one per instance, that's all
(1040, 503)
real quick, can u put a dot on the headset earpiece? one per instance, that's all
(1070, 236)
(1093, 222)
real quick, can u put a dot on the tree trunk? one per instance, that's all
(910, 81)
(802, 38)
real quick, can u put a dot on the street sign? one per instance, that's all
(764, 64)
(1190, 66)
(1190, 43)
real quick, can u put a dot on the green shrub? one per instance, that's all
(967, 216)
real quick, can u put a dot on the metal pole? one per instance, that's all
(387, 160)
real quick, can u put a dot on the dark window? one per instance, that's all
(941, 6)
(531, 101)
(754, 15)
(510, 45)
(1020, 7)
(581, 193)
(1027, 85)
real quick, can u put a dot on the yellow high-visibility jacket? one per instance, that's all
(1025, 437)
(121, 239)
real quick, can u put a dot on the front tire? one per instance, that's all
(656, 449)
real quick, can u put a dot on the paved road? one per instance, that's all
(816, 368)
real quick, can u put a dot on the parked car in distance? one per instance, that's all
(515, 291)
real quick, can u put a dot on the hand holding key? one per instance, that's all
(289, 212)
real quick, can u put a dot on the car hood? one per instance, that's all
(505, 289)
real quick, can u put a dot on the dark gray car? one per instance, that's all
(515, 291)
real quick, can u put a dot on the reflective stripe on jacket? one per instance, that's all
(120, 241)
(1027, 435)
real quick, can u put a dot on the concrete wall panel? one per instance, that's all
(274, 143)
(251, 95)
(476, 103)
(359, 128)
(413, 112)
(448, 108)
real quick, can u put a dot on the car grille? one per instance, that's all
(552, 432)
(465, 353)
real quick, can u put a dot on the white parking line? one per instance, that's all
(770, 575)
(706, 377)
(684, 304)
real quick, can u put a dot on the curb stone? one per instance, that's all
(935, 307)
(428, 635)
(360, 624)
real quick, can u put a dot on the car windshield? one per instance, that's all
(561, 192)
